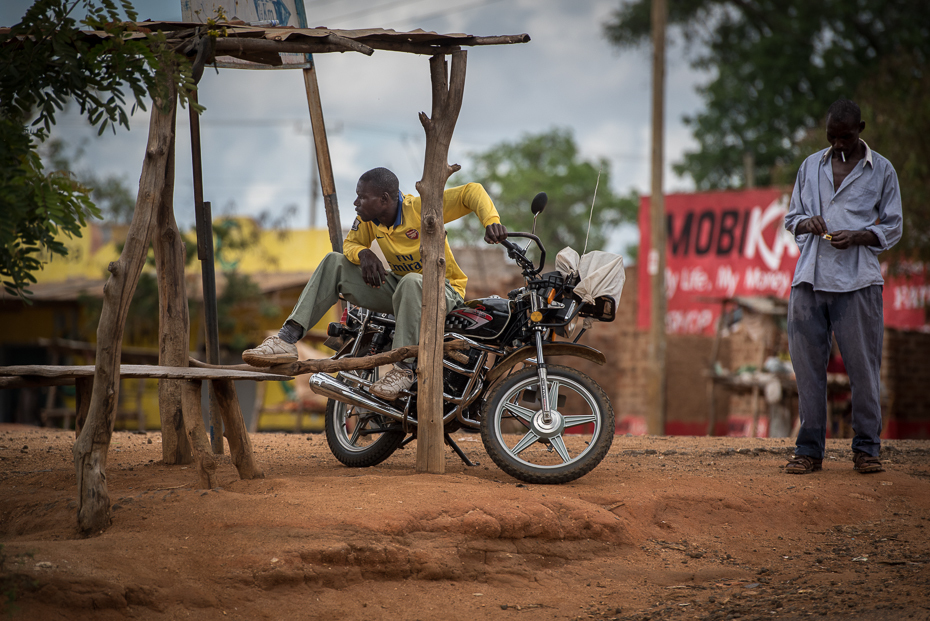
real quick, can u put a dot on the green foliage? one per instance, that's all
(777, 66)
(35, 206)
(241, 304)
(895, 106)
(45, 62)
(514, 172)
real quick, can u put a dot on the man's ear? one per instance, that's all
(861, 126)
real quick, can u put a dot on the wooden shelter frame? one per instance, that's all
(184, 434)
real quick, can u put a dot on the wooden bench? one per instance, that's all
(82, 377)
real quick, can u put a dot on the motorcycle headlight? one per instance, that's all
(572, 328)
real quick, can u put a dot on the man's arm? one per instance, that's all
(796, 211)
(357, 249)
(472, 197)
(890, 225)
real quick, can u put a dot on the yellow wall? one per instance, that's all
(287, 251)
(88, 258)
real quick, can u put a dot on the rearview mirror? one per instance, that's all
(539, 203)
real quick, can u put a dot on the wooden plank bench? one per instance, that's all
(82, 377)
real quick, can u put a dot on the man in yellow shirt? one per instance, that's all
(393, 219)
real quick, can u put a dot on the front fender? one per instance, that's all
(517, 356)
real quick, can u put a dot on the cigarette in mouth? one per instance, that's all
(843, 155)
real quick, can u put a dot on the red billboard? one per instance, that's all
(726, 244)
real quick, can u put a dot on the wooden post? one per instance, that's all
(197, 434)
(655, 417)
(324, 164)
(173, 318)
(90, 449)
(439, 126)
(240, 446)
(83, 388)
(205, 253)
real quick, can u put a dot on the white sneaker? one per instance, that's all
(272, 351)
(396, 381)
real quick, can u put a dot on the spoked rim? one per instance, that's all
(540, 437)
(354, 424)
(350, 432)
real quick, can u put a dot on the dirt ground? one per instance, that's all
(665, 528)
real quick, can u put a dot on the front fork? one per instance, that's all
(541, 363)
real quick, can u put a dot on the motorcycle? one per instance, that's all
(542, 423)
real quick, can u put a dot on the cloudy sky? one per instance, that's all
(256, 137)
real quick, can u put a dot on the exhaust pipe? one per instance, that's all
(331, 388)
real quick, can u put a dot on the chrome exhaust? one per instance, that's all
(331, 388)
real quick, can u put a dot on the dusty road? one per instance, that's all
(664, 528)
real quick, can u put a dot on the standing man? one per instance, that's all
(393, 219)
(845, 210)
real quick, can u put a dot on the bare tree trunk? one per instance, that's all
(173, 319)
(90, 450)
(447, 101)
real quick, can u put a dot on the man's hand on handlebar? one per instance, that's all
(372, 269)
(495, 233)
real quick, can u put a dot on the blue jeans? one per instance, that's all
(857, 320)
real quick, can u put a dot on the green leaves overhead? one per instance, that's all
(514, 172)
(46, 62)
(776, 66)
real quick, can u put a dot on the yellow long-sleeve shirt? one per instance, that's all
(400, 241)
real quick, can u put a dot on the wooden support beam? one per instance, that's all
(235, 46)
(90, 449)
(84, 389)
(656, 384)
(330, 365)
(448, 90)
(204, 219)
(173, 319)
(197, 434)
(240, 446)
(244, 46)
(324, 164)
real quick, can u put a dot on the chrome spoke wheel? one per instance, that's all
(561, 445)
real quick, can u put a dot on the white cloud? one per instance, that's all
(255, 140)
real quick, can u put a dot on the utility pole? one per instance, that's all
(655, 416)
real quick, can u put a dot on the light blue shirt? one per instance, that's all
(869, 199)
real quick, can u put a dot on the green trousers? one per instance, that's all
(401, 296)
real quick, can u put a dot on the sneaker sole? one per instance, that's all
(263, 361)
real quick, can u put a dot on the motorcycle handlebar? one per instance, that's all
(516, 251)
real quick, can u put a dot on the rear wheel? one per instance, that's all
(567, 446)
(360, 438)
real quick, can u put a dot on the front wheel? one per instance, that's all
(527, 446)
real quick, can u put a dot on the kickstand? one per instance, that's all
(459, 451)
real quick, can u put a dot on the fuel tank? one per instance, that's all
(480, 319)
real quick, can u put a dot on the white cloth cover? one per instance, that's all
(601, 273)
